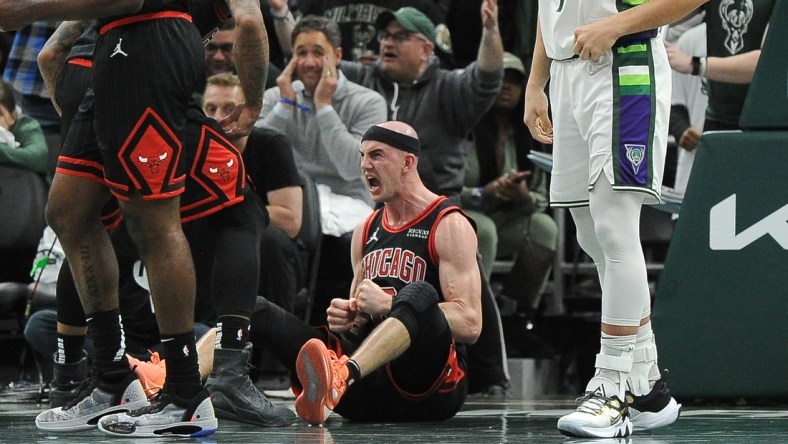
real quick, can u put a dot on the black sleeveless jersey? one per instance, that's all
(395, 257)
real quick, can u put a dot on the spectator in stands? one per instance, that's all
(22, 141)
(688, 105)
(22, 73)
(22, 148)
(503, 188)
(733, 49)
(219, 55)
(324, 115)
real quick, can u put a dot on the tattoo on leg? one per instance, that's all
(92, 296)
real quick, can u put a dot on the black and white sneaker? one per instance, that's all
(168, 415)
(655, 409)
(93, 400)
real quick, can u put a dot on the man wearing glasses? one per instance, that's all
(219, 55)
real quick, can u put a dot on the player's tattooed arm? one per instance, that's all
(53, 55)
(250, 51)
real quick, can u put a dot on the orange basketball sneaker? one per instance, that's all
(324, 378)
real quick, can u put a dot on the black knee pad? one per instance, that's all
(413, 304)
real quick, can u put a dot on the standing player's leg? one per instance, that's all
(142, 98)
(237, 232)
(614, 225)
(630, 163)
(584, 136)
(95, 271)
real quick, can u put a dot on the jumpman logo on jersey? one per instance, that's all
(374, 236)
(118, 50)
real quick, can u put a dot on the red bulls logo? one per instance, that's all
(154, 163)
(224, 171)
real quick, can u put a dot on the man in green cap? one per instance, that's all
(441, 105)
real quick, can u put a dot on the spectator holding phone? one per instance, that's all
(503, 188)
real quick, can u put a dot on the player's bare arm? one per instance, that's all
(535, 116)
(341, 314)
(250, 51)
(53, 55)
(595, 38)
(455, 244)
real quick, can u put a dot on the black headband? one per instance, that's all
(393, 138)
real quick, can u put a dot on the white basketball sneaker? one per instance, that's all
(601, 414)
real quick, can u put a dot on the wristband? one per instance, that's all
(477, 197)
(292, 102)
(285, 16)
(696, 66)
(704, 66)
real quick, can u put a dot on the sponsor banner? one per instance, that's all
(722, 300)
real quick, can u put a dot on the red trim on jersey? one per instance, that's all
(80, 61)
(92, 170)
(431, 241)
(433, 251)
(211, 210)
(112, 220)
(84, 174)
(118, 190)
(78, 161)
(143, 17)
(367, 224)
(426, 212)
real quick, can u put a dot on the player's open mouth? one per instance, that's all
(373, 183)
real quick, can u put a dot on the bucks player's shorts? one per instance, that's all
(610, 119)
(146, 69)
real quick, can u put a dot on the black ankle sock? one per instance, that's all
(232, 332)
(69, 348)
(183, 373)
(355, 372)
(106, 331)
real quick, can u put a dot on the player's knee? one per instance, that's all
(414, 304)
(66, 218)
(419, 296)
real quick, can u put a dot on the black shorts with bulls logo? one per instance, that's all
(146, 69)
(217, 177)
